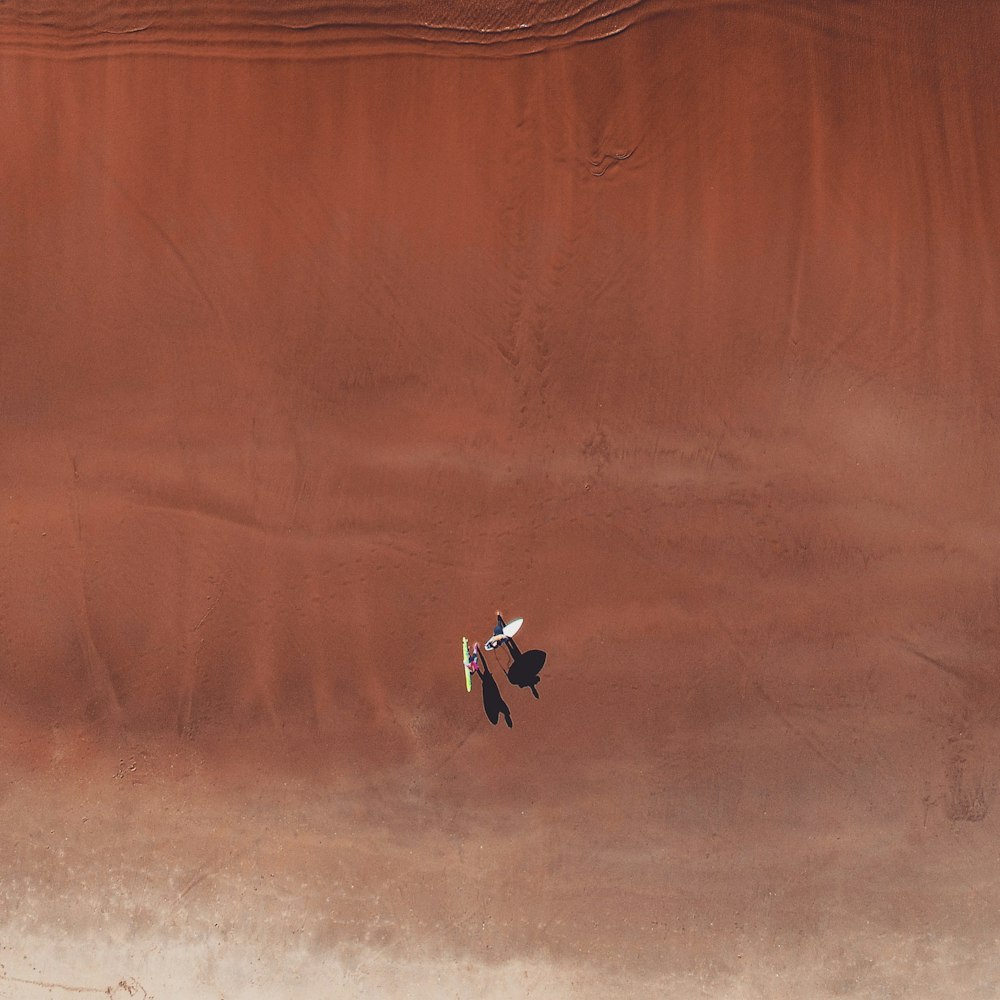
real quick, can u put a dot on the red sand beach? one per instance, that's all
(326, 331)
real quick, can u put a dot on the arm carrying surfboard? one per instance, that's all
(508, 631)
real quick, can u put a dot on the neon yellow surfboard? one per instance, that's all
(465, 661)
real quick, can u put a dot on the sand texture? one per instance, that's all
(327, 330)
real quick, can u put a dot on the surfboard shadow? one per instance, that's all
(525, 668)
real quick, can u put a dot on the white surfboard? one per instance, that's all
(511, 628)
(509, 631)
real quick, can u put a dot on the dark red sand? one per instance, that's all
(673, 327)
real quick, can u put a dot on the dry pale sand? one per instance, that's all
(327, 330)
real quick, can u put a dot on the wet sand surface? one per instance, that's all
(670, 326)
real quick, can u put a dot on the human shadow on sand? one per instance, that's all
(525, 668)
(492, 699)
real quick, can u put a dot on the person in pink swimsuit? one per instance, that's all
(474, 656)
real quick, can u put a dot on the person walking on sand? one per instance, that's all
(475, 658)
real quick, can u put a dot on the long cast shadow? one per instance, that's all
(492, 699)
(525, 667)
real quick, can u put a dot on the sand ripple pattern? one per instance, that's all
(245, 29)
